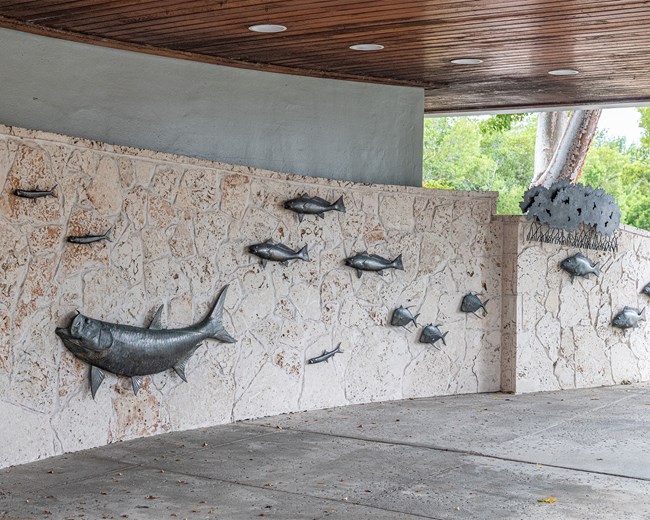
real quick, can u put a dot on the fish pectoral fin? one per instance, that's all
(263, 263)
(380, 272)
(156, 321)
(300, 217)
(285, 263)
(321, 215)
(96, 379)
(180, 366)
(359, 273)
(137, 382)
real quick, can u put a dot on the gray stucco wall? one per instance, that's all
(317, 127)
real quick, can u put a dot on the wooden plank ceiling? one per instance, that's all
(519, 41)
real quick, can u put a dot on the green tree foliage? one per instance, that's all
(497, 153)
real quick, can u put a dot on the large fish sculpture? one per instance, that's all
(136, 351)
(579, 265)
(306, 205)
(628, 318)
(269, 250)
(367, 262)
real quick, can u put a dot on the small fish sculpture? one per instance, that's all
(431, 333)
(269, 250)
(472, 303)
(89, 239)
(646, 290)
(35, 194)
(325, 356)
(628, 318)
(136, 351)
(402, 316)
(306, 205)
(367, 262)
(579, 265)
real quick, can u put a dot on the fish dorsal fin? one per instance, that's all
(180, 366)
(156, 321)
(269, 241)
(96, 379)
(137, 382)
(305, 195)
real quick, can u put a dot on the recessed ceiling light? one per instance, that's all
(267, 28)
(563, 72)
(467, 61)
(367, 47)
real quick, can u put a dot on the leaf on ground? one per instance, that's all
(549, 500)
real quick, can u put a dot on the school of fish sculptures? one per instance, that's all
(134, 352)
(628, 318)
(579, 265)
(306, 205)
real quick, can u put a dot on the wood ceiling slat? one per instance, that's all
(520, 41)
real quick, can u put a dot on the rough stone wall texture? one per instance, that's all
(180, 227)
(558, 334)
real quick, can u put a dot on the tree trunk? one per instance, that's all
(550, 128)
(570, 153)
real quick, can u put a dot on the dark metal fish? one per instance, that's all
(472, 303)
(579, 265)
(269, 250)
(628, 318)
(367, 262)
(646, 289)
(89, 239)
(402, 316)
(35, 194)
(306, 205)
(325, 356)
(431, 333)
(136, 351)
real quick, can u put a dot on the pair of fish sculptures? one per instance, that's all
(579, 265)
(274, 252)
(628, 318)
(306, 205)
(402, 317)
(136, 351)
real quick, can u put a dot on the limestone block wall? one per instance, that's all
(180, 228)
(558, 334)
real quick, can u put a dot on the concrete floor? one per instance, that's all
(491, 456)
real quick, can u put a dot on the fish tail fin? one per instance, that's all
(303, 254)
(415, 319)
(597, 268)
(106, 234)
(214, 321)
(642, 314)
(443, 338)
(338, 205)
(397, 263)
